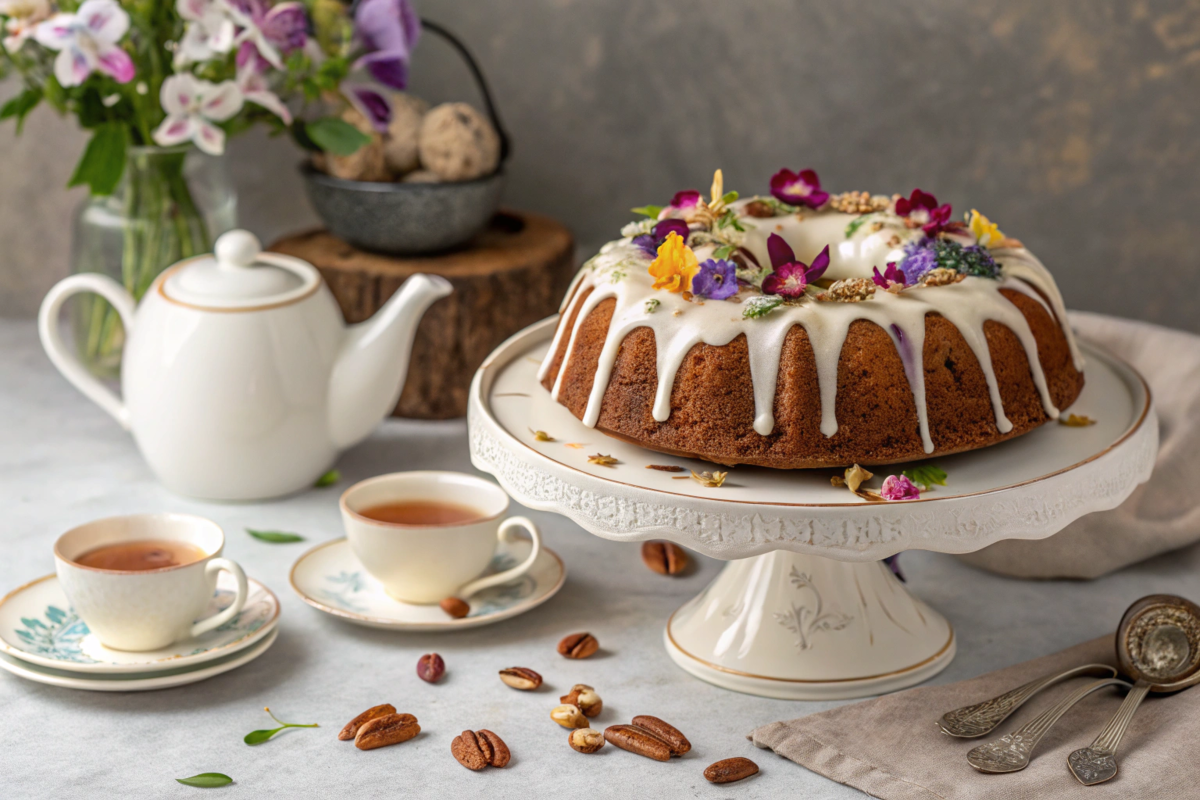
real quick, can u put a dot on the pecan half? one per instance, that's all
(758, 208)
(500, 754)
(668, 733)
(521, 678)
(455, 607)
(730, 770)
(585, 740)
(638, 740)
(384, 731)
(478, 749)
(353, 725)
(665, 558)
(578, 645)
(585, 697)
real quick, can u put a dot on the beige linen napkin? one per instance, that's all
(1160, 515)
(891, 748)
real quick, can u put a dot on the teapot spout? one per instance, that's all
(373, 361)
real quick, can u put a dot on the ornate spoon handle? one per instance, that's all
(1098, 763)
(982, 718)
(1011, 752)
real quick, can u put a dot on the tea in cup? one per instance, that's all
(141, 581)
(427, 536)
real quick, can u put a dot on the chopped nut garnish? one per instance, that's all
(758, 208)
(848, 290)
(541, 436)
(1077, 421)
(602, 460)
(858, 202)
(941, 277)
(712, 480)
(664, 467)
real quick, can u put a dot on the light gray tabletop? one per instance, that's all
(63, 462)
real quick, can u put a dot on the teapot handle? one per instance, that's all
(60, 354)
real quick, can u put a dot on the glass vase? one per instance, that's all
(171, 204)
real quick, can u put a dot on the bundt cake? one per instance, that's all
(803, 329)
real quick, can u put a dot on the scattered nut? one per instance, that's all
(585, 740)
(665, 558)
(384, 731)
(758, 208)
(431, 667)
(578, 645)
(456, 607)
(521, 678)
(478, 749)
(585, 697)
(494, 747)
(730, 770)
(668, 733)
(569, 716)
(638, 740)
(348, 732)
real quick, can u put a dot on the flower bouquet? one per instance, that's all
(160, 86)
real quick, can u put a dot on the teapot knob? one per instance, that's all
(236, 249)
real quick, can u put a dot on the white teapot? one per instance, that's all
(240, 380)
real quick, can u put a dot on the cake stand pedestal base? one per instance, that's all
(802, 627)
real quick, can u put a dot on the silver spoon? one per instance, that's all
(979, 719)
(1158, 645)
(1013, 751)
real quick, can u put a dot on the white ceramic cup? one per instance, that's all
(146, 609)
(428, 563)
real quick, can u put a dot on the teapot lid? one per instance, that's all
(238, 275)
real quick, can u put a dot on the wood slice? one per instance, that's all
(510, 276)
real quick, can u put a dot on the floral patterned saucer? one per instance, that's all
(330, 578)
(38, 625)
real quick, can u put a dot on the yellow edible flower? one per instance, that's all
(985, 231)
(675, 266)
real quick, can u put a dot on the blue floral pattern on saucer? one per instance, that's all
(59, 637)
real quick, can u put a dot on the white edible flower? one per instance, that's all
(23, 17)
(86, 41)
(192, 106)
(210, 31)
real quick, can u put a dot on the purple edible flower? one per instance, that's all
(922, 209)
(919, 258)
(893, 278)
(370, 103)
(790, 277)
(798, 188)
(688, 198)
(650, 242)
(717, 280)
(389, 30)
(899, 487)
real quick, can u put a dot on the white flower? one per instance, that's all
(86, 41)
(23, 17)
(255, 89)
(192, 106)
(210, 31)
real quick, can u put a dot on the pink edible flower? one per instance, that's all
(893, 278)
(899, 487)
(801, 188)
(922, 210)
(790, 277)
(688, 198)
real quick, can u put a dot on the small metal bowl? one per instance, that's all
(403, 218)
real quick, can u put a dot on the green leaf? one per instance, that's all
(925, 476)
(855, 224)
(761, 305)
(103, 160)
(19, 107)
(328, 479)
(729, 197)
(258, 737)
(648, 211)
(336, 136)
(724, 251)
(206, 780)
(275, 537)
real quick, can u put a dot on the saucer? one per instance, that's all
(38, 625)
(330, 578)
(140, 681)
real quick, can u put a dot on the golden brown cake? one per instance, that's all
(808, 330)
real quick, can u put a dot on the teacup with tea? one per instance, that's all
(429, 535)
(141, 581)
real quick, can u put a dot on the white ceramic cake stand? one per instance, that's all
(805, 609)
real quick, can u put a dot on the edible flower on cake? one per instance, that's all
(790, 277)
(675, 265)
(650, 242)
(893, 278)
(922, 211)
(801, 188)
(716, 280)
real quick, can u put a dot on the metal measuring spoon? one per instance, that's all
(1012, 751)
(1158, 645)
(979, 719)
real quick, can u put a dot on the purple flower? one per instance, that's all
(389, 30)
(370, 103)
(919, 258)
(798, 189)
(892, 279)
(922, 210)
(717, 280)
(688, 198)
(650, 242)
(790, 277)
(267, 31)
(899, 487)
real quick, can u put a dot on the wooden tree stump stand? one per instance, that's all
(510, 276)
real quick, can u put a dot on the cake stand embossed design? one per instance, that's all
(805, 609)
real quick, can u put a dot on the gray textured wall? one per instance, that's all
(1075, 124)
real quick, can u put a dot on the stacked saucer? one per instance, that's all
(42, 639)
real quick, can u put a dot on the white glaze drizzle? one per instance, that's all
(620, 272)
